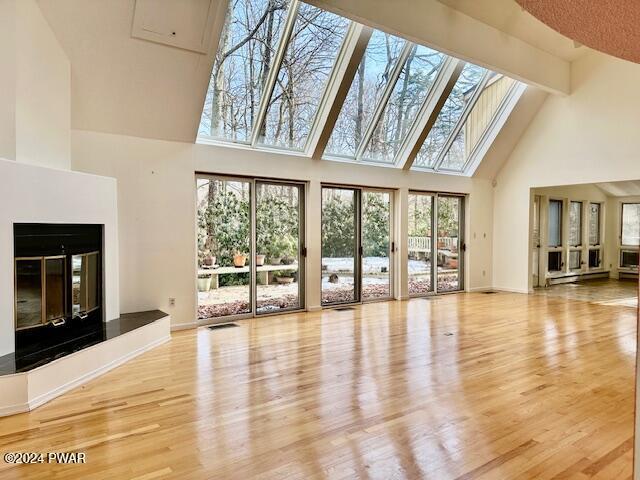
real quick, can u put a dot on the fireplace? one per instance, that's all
(58, 285)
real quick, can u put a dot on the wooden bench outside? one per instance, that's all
(261, 271)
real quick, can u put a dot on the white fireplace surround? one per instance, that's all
(33, 194)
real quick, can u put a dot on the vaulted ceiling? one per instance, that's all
(135, 87)
(509, 17)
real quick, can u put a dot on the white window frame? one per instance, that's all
(621, 246)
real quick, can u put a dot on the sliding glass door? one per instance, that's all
(420, 243)
(376, 244)
(449, 246)
(357, 245)
(340, 245)
(279, 213)
(250, 247)
(224, 247)
(435, 266)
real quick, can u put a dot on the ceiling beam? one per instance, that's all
(431, 23)
(345, 71)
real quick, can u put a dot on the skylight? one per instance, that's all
(241, 67)
(373, 77)
(307, 64)
(489, 101)
(280, 64)
(453, 108)
(411, 89)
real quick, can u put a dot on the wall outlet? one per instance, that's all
(172, 302)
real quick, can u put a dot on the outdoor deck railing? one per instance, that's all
(423, 244)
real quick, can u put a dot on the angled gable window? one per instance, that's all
(452, 110)
(480, 121)
(280, 75)
(305, 70)
(245, 56)
(418, 74)
(375, 73)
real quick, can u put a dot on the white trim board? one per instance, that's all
(22, 392)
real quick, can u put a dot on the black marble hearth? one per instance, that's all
(32, 355)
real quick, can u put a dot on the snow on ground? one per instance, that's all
(375, 284)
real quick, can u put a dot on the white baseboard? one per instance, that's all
(183, 326)
(25, 391)
(512, 290)
(14, 409)
(479, 289)
(314, 308)
(45, 397)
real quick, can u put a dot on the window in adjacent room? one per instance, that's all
(630, 235)
(555, 223)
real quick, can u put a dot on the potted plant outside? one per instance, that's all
(283, 249)
(209, 260)
(275, 260)
(239, 260)
(204, 282)
(288, 260)
(285, 278)
(260, 260)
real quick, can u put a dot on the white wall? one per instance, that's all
(588, 137)
(32, 194)
(8, 79)
(43, 92)
(35, 88)
(156, 194)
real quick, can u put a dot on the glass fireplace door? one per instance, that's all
(29, 292)
(84, 283)
(40, 291)
(55, 292)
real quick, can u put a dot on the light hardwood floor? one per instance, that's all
(468, 386)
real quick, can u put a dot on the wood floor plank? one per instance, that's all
(463, 386)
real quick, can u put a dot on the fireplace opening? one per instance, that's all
(58, 286)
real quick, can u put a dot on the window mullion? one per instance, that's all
(454, 133)
(395, 74)
(273, 73)
(429, 111)
(342, 75)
